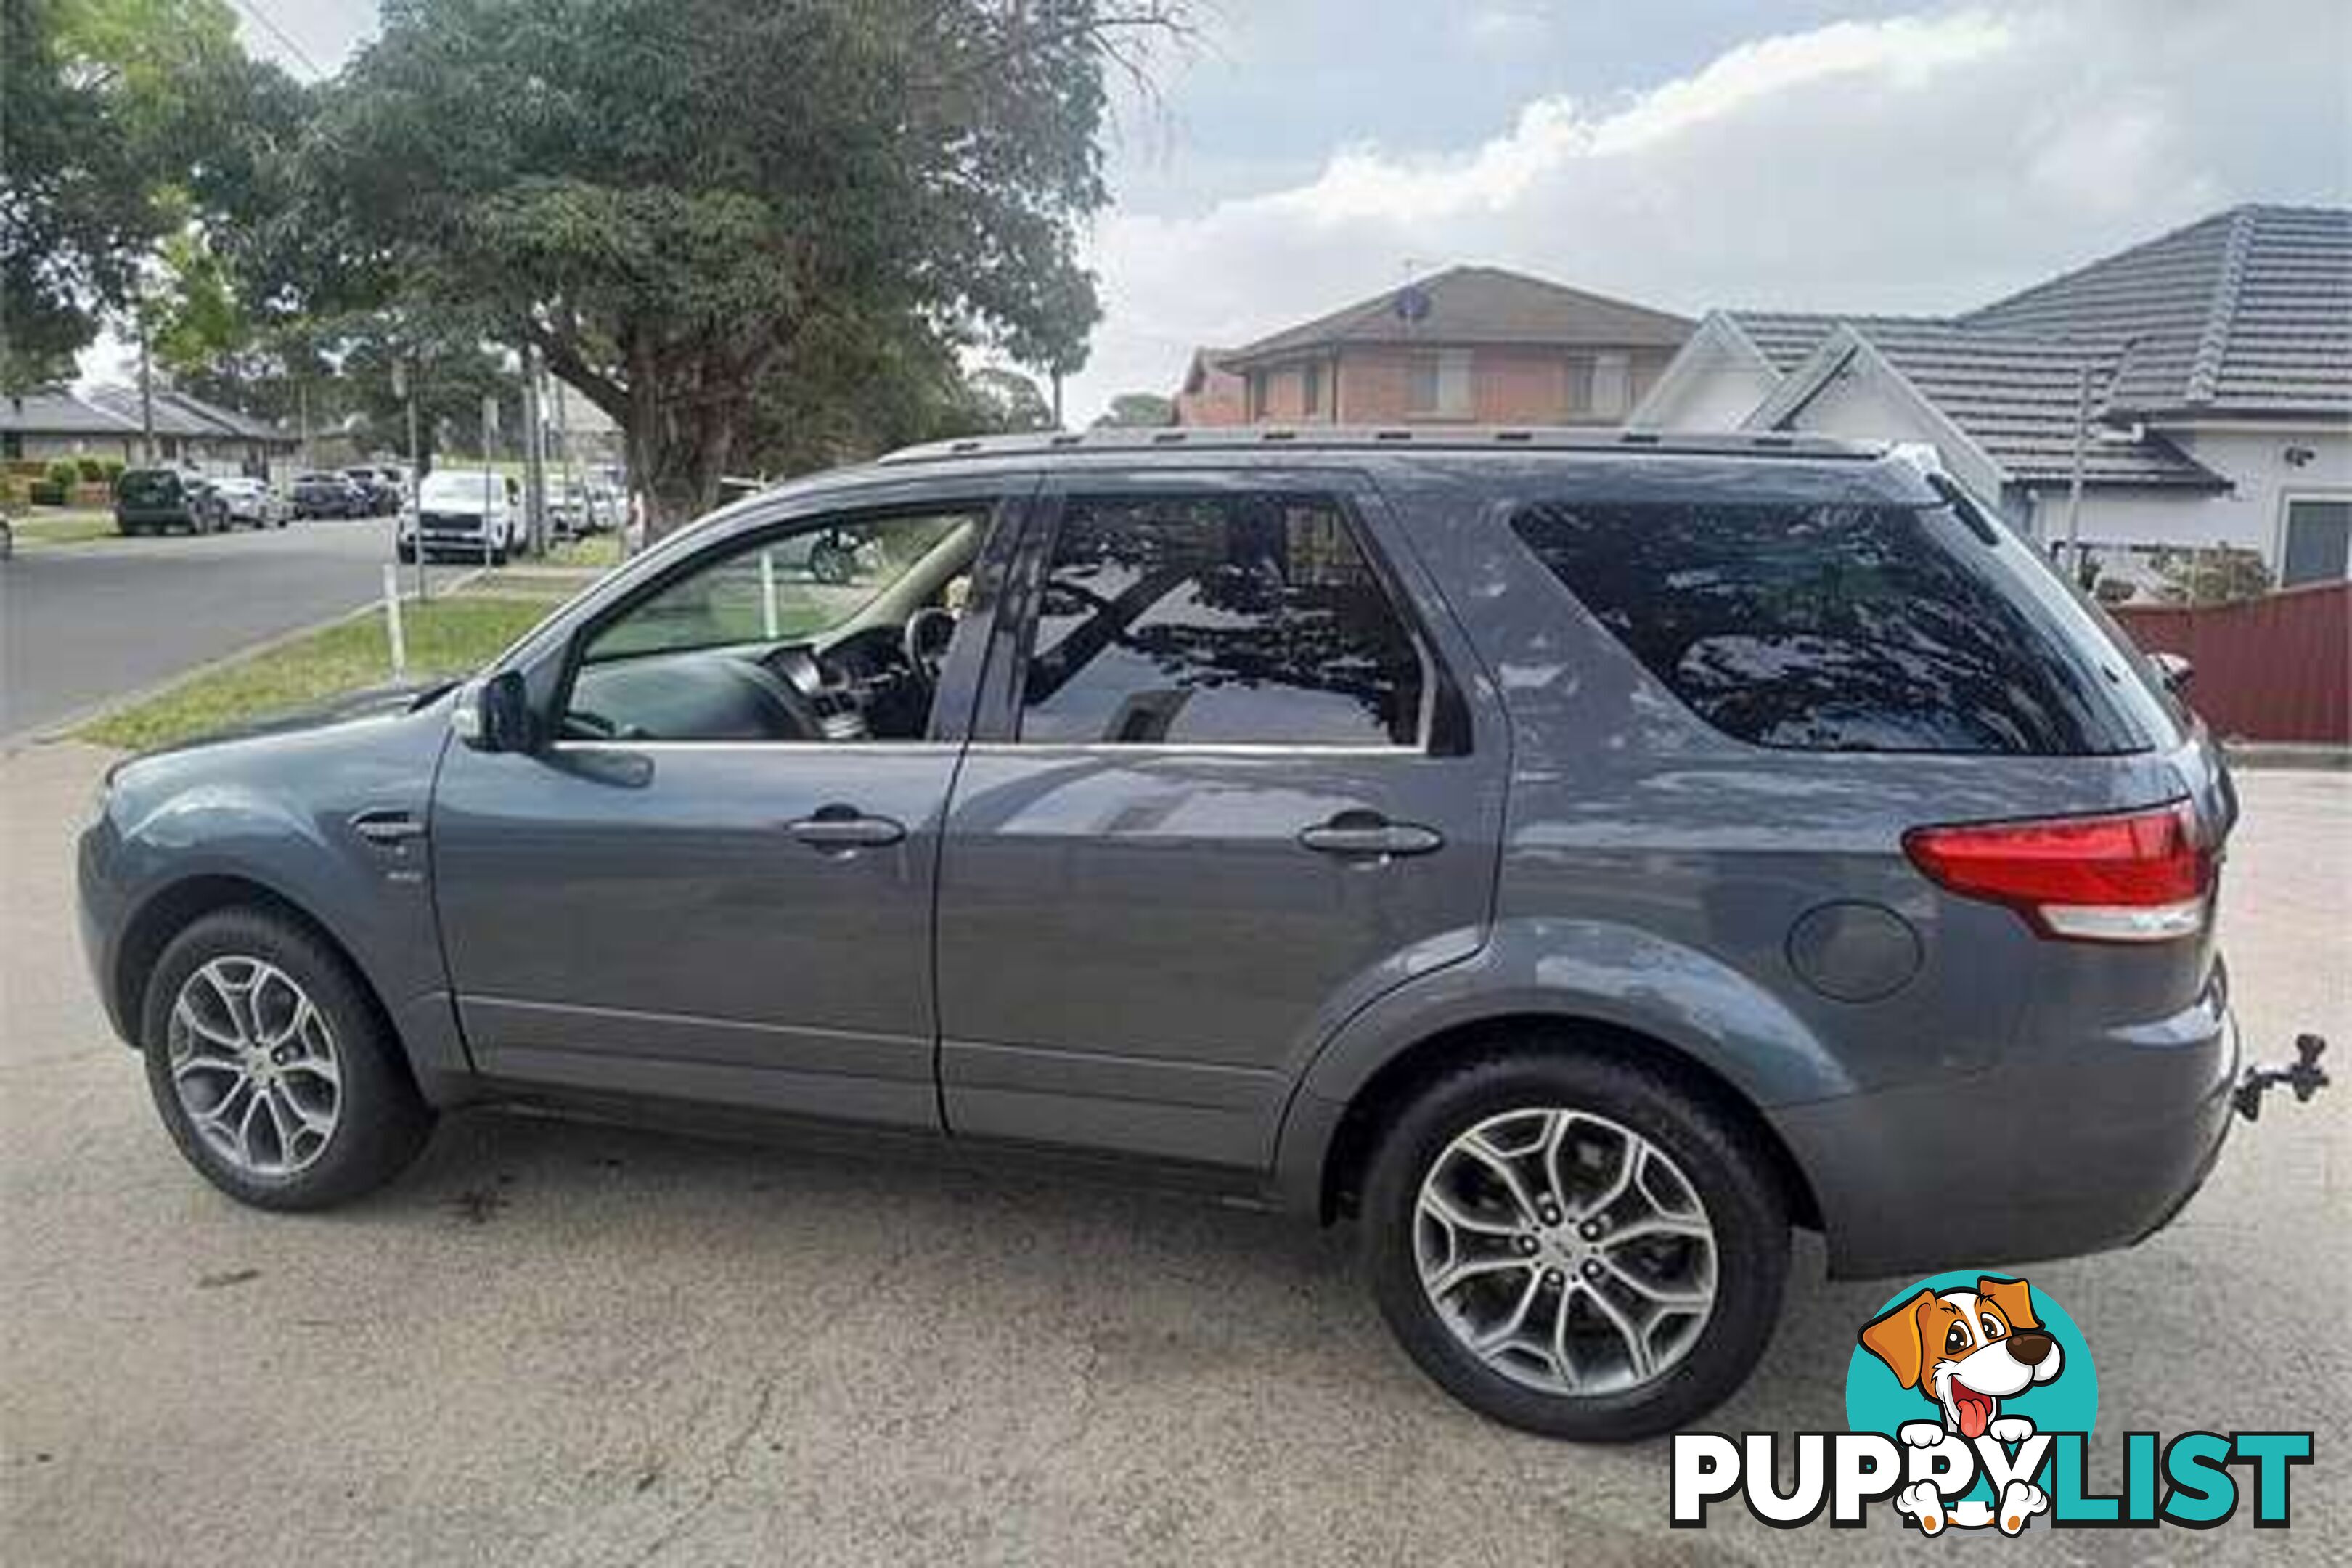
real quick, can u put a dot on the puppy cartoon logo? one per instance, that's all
(1970, 1403)
(1964, 1351)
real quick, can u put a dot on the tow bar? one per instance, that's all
(2306, 1078)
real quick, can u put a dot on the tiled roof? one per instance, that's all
(2017, 396)
(54, 411)
(2248, 311)
(1788, 338)
(178, 413)
(1479, 305)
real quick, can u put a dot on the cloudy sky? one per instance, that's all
(1684, 153)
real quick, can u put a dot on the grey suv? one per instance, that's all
(1578, 858)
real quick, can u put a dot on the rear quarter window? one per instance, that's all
(1845, 628)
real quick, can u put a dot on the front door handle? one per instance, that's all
(1369, 835)
(844, 827)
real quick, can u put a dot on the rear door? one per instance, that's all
(1234, 773)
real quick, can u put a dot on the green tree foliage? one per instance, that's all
(683, 202)
(1137, 410)
(121, 122)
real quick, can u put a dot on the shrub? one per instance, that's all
(110, 469)
(90, 470)
(64, 473)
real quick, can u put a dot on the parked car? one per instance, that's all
(379, 490)
(252, 502)
(473, 513)
(327, 495)
(1578, 859)
(149, 500)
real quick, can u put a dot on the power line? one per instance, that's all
(262, 19)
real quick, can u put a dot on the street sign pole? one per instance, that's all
(408, 389)
(489, 479)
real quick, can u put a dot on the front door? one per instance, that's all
(714, 882)
(1236, 781)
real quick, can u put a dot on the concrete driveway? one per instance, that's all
(565, 1345)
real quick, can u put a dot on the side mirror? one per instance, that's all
(493, 714)
(2175, 671)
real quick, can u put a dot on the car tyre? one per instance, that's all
(379, 1122)
(1708, 1155)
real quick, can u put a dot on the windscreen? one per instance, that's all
(459, 487)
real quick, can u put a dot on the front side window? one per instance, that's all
(1250, 619)
(834, 631)
(1846, 628)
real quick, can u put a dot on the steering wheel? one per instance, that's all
(929, 632)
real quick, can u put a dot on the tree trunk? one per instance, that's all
(679, 412)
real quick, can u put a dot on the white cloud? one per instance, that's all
(1920, 162)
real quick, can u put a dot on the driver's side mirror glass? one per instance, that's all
(493, 714)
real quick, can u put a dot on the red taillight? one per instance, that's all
(2140, 876)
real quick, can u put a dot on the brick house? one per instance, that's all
(1471, 344)
(1213, 393)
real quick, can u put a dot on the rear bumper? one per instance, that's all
(2032, 1160)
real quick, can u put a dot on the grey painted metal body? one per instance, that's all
(1126, 950)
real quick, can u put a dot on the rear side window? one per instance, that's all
(1217, 620)
(1842, 629)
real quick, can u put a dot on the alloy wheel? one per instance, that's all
(255, 1066)
(1565, 1251)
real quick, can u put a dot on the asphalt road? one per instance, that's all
(84, 622)
(568, 1344)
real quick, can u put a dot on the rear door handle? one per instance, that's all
(1369, 835)
(844, 827)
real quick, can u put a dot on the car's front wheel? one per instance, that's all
(271, 1068)
(1574, 1245)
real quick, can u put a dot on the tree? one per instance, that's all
(121, 122)
(679, 201)
(1138, 409)
(996, 402)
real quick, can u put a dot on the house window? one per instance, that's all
(1254, 395)
(2318, 543)
(1439, 384)
(1600, 386)
(1310, 388)
(1613, 384)
(12, 445)
(1580, 385)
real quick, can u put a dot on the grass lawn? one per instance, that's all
(595, 550)
(68, 527)
(446, 636)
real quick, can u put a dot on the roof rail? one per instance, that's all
(1343, 437)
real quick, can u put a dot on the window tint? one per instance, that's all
(1845, 628)
(1224, 620)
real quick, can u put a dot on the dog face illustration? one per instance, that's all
(1966, 1350)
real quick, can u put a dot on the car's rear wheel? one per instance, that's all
(1574, 1245)
(271, 1068)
